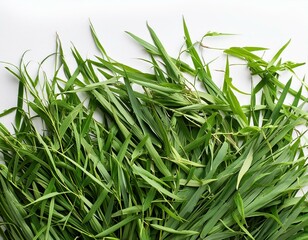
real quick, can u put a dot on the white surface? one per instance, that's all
(32, 25)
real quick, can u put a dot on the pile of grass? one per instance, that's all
(165, 162)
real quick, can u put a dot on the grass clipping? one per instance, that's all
(166, 162)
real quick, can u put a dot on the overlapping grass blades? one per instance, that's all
(167, 162)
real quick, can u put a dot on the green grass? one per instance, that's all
(167, 162)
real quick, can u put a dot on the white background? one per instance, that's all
(32, 25)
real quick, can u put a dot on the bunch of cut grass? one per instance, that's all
(167, 162)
